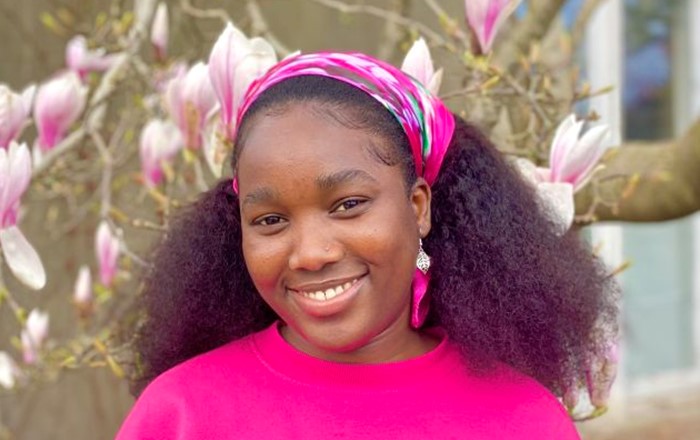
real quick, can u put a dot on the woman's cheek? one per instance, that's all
(265, 261)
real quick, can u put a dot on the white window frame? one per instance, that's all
(604, 57)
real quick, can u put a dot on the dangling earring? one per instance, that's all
(420, 300)
(423, 260)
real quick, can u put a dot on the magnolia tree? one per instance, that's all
(176, 118)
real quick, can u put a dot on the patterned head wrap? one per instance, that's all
(428, 124)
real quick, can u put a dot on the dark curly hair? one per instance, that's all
(504, 286)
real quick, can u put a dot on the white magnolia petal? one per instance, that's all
(262, 48)
(215, 148)
(28, 97)
(543, 174)
(37, 154)
(22, 259)
(557, 203)
(20, 171)
(9, 370)
(435, 82)
(82, 292)
(4, 181)
(160, 29)
(556, 151)
(566, 142)
(173, 97)
(418, 63)
(507, 7)
(198, 91)
(37, 326)
(231, 45)
(527, 169)
(252, 66)
(292, 55)
(584, 157)
(485, 17)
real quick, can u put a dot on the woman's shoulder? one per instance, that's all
(177, 398)
(219, 366)
(528, 403)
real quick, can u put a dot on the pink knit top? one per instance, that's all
(260, 387)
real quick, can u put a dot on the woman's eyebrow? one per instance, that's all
(259, 195)
(329, 181)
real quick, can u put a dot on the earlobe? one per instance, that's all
(420, 201)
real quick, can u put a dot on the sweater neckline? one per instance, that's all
(284, 359)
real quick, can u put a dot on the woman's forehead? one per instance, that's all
(306, 145)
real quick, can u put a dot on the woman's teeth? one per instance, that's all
(332, 292)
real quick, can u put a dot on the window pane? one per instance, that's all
(658, 286)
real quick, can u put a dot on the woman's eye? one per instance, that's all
(349, 204)
(269, 220)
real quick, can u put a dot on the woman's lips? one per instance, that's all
(329, 301)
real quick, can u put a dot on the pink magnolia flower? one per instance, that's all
(107, 250)
(601, 374)
(555, 199)
(419, 65)
(33, 336)
(58, 104)
(190, 101)
(159, 31)
(234, 63)
(82, 293)
(485, 18)
(20, 256)
(215, 148)
(9, 371)
(572, 160)
(162, 77)
(160, 141)
(14, 113)
(82, 60)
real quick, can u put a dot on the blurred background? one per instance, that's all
(646, 49)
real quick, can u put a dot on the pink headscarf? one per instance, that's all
(428, 124)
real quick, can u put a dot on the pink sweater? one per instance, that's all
(260, 387)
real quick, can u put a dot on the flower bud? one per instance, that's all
(58, 104)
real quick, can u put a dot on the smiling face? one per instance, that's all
(330, 235)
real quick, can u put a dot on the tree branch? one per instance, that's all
(535, 25)
(384, 14)
(663, 181)
(190, 9)
(94, 116)
(260, 27)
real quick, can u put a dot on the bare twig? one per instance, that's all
(461, 92)
(106, 184)
(453, 29)
(260, 27)
(528, 96)
(6, 295)
(69, 143)
(94, 116)
(190, 9)
(384, 14)
(541, 14)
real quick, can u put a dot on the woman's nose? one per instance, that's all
(314, 246)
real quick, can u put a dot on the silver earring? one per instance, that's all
(423, 260)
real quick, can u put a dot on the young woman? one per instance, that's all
(375, 270)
